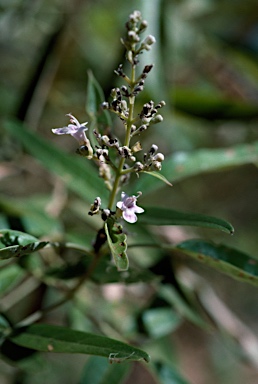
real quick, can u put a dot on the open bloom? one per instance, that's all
(129, 208)
(76, 129)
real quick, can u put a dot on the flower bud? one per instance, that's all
(149, 40)
(159, 157)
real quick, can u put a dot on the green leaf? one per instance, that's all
(164, 216)
(20, 250)
(52, 338)
(76, 172)
(159, 176)
(230, 261)
(168, 375)
(17, 237)
(99, 371)
(94, 98)
(117, 244)
(10, 276)
(186, 164)
(18, 244)
(160, 321)
(104, 273)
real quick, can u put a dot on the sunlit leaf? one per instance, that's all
(52, 338)
(165, 216)
(234, 263)
(117, 244)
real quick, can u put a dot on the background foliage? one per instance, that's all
(187, 316)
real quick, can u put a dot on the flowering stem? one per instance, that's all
(130, 119)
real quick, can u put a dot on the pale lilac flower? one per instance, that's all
(129, 208)
(76, 129)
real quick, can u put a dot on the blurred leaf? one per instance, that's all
(159, 176)
(9, 277)
(160, 321)
(164, 216)
(77, 173)
(211, 105)
(185, 164)
(99, 371)
(117, 244)
(94, 98)
(171, 295)
(228, 260)
(16, 237)
(52, 338)
(20, 250)
(104, 272)
(32, 212)
(168, 375)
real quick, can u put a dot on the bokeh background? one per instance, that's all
(206, 69)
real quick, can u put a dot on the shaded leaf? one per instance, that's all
(16, 237)
(99, 371)
(160, 321)
(164, 216)
(20, 250)
(117, 244)
(168, 375)
(9, 277)
(94, 98)
(52, 338)
(234, 263)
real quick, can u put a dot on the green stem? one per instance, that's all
(130, 119)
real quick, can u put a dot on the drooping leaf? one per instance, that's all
(234, 263)
(117, 244)
(76, 172)
(159, 176)
(99, 371)
(164, 216)
(52, 338)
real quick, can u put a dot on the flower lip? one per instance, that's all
(129, 208)
(75, 129)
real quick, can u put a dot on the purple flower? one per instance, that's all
(76, 129)
(129, 208)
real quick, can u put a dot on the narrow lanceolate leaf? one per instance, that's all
(76, 172)
(164, 216)
(234, 263)
(94, 98)
(52, 338)
(159, 176)
(16, 244)
(117, 244)
(12, 237)
(20, 250)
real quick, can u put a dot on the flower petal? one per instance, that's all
(129, 216)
